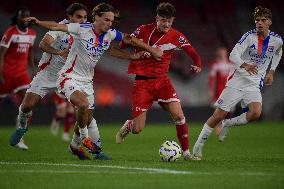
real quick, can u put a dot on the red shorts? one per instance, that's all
(14, 83)
(59, 99)
(145, 92)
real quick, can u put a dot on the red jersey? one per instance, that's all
(219, 72)
(168, 42)
(18, 44)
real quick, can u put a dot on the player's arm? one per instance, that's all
(235, 56)
(3, 51)
(275, 61)
(131, 40)
(190, 51)
(45, 45)
(116, 52)
(50, 25)
(31, 60)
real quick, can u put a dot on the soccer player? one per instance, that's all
(90, 41)
(152, 82)
(56, 48)
(251, 57)
(16, 52)
(218, 74)
(65, 112)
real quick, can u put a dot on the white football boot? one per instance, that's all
(197, 150)
(122, 133)
(22, 145)
(224, 131)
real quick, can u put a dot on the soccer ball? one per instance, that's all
(170, 151)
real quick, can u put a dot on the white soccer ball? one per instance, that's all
(170, 151)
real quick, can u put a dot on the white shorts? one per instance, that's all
(230, 97)
(68, 86)
(43, 83)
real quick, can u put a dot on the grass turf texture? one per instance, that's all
(251, 157)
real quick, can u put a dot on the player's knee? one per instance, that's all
(27, 106)
(218, 116)
(83, 105)
(254, 115)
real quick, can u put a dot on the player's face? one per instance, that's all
(79, 16)
(104, 22)
(164, 24)
(21, 15)
(262, 24)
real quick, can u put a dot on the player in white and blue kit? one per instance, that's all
(90, 41)
(251, 56)
(55, 45)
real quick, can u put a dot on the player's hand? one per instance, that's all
(140, 55)
(157, 53)
(250, 68)
(195, 69)
(32, 20)
(269, 78)
(64, 53)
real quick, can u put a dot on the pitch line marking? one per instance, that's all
(132, 170)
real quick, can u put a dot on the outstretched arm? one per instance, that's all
(116, 52)
(190, 51)
(155, 52)
(50, 25)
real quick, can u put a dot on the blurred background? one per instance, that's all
(208, 24)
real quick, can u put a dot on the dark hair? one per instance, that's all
(15, 17)
(166, 10)
(101, 8)
(262, 11)
(74, 7)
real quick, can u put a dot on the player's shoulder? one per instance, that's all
(276, 36)
(11, 29)
(246, 35)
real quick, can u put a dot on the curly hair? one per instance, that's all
(262, 11)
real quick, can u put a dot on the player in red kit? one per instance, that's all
(219, 72)
(152, 82)
(16, 52)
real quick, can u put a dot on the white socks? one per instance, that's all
(22, 118)
(83, 132)
(76, 141)
(204, 134)
(239, 120)
(94, 132)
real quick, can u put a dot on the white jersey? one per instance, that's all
(251, 48)
(50, 62)
(86, 50)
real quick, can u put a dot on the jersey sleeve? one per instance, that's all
(277, 56)
(53, 34)
(182, 41)
(137, 32)
(7, 38)
(239, 49)
(116, 35)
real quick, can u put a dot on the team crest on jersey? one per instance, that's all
(270, 48)
(220, 101)
(181, 39)
(252, 46)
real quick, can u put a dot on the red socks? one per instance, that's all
(182, 134)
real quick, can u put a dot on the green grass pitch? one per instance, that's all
(251, 157)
